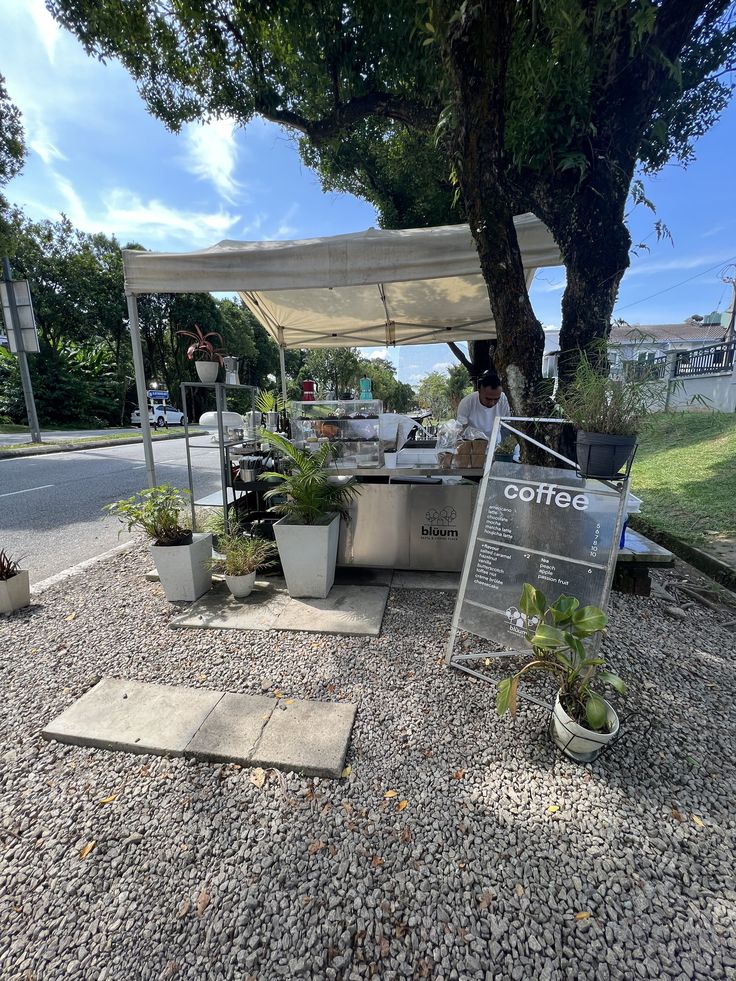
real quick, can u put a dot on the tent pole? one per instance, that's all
(140, 386)
(282, 363)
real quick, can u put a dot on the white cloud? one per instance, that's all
(126, 215)
(643, 267)
(442, 366)
(47, 28)
(212, 154)
(42, 145)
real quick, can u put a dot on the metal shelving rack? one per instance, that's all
(221, 390)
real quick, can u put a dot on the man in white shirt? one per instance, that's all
(481, 408)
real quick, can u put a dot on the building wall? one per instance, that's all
(718, 391)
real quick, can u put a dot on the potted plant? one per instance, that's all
(505, 450)
(182, 559)
(207, 358)
(242, 556)
(607, 414)
(313, 501)
(15, 587)
(583, 722)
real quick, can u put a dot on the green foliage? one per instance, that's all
(243, 554)
(268, 401)
(12, 143)
(334, 369)
(432, 394)
(156, 511)
(458, 385)
(596, 403)
(396, 396)
(557, 633)
(310, 494)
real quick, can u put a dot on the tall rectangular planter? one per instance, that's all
(15, 592)
(184, 570)
(308, 556)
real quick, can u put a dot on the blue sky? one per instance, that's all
(96, 155)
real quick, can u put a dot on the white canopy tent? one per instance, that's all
(378, 287)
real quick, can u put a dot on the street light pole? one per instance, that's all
(25, 375)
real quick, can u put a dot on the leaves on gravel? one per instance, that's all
(184, 908)
(583, 915)
(87, 849)
(391, 793)
(203, 902)
(402, 805)
(347, 771)
(553, 808)
(109, 800)
(258, 777)
(315, 846)
(458, 774)
(485, 899)
(698, 822)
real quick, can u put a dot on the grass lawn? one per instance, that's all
(22, 448)
(685, 472)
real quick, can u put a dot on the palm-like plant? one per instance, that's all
(311, 496)
(267, 401)
(202, 345)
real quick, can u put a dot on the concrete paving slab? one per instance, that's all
(406, 579)
(134, 717)
(308, 737)
(232, 729)
(219, 610)
(354, 610)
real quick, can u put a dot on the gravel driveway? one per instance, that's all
(506, 861)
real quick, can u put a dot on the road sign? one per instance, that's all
(158, 393)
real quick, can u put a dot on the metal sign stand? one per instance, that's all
(463, 662)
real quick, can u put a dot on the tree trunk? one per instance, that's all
(477, 47)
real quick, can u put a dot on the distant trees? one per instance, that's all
(84, 373)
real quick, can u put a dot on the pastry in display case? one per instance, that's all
(352, 428)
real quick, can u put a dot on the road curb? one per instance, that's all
(76, 447)
(80, 567)
(717, 569)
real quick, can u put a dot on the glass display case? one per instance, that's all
(352, 428)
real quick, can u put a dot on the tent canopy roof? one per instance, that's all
(378, 287)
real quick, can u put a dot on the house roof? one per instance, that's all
(692, 333)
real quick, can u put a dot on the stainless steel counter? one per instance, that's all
(408, 526)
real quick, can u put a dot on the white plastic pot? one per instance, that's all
(308, 555)
(207, 370)
(241, 586)
(15, 592)
(577, 742)
(184, 570)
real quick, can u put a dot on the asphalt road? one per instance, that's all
(51, 506)
(54, 435)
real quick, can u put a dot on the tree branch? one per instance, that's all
(347, 114)
(460, 355)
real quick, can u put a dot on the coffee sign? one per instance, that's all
(540, 525)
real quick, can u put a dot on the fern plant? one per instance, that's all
(267, 401)
(311, 497)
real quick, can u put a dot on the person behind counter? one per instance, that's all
(480, 409)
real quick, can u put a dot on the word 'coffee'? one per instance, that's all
(546, 494)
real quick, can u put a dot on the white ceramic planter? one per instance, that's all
(207, 370)
(15, 592)
(184, 570)
(241, 586)
(577, 742)
(308, 556)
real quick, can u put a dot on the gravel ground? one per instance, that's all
(506, 861)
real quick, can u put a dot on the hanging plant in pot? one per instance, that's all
(241, 557)
(15, 589)
(311, 502)
(207, 358)
(182, 558)
(608, 414)
(583, 722)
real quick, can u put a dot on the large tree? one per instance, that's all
(541, 105)
(12, 143)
